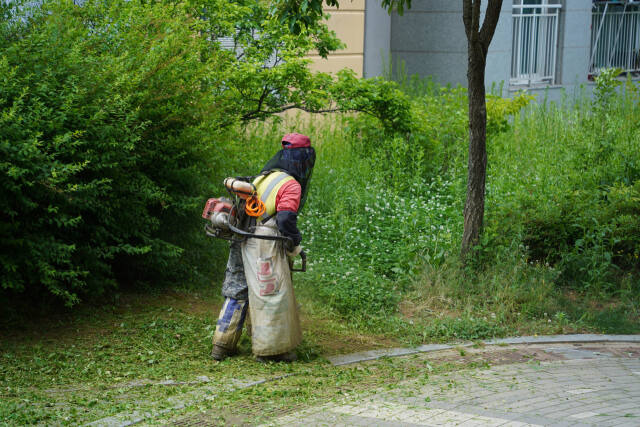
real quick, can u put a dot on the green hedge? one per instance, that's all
(105, 144)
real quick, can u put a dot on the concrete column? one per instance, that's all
(377, 39)
(576, 44)
(430, 40)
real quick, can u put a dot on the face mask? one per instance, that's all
(297, 162)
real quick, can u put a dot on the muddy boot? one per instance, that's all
(220, 353)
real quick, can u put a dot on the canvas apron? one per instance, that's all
(272, 304)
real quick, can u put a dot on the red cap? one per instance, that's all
(295, 140)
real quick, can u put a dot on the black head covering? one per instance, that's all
(297, 159)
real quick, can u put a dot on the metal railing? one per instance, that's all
(615, 37)
(534, 44)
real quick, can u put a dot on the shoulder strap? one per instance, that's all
(272, 185)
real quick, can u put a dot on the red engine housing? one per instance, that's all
(216, 205)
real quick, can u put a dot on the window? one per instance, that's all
(535, 42)
(615, 36)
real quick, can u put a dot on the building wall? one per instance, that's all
(498, 69)
(429, 39)
(348, 22)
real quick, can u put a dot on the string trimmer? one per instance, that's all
(234, 218)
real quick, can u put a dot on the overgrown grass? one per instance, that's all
(370, 223)
(564, 183)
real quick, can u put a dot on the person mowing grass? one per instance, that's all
(258, 278)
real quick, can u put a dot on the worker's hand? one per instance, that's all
(294, 252)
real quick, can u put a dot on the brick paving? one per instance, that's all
(587, 386)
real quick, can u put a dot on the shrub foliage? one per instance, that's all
(104, 140)
(567, 185)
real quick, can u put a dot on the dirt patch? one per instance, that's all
(623, 351)
(332, 340)
(435, 306)
(504, 355)
(195, 304)
(493, 356)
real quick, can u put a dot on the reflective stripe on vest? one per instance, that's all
(267, 187)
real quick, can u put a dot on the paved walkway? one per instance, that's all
(574, 384)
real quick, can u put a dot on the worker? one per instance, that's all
(257, 280)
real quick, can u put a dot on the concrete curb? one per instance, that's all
(347, 359)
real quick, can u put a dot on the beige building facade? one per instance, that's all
(348, 23)
(365, 29)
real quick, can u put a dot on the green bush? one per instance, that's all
(118, 118)
(106, 144)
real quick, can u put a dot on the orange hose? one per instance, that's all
(254, 207)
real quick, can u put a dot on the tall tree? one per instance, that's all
(479, 36)
(478, 41)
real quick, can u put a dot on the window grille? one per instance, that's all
(615, 36)
(234, 44)
(535, 42)
(227, 43)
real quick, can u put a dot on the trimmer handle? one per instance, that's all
(303, 268)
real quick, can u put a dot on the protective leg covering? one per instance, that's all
(234, 284)
(272, 303)
(230, 321)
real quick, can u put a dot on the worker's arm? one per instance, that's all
(287, 203)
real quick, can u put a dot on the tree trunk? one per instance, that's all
(479, 40)
(477, 172)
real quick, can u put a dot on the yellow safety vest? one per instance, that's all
(267, 187)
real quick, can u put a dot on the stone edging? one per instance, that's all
(347, 359)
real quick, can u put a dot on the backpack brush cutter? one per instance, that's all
(234, 218)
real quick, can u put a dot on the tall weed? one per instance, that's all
(370, 221)
(383, 218)
(564, 179)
